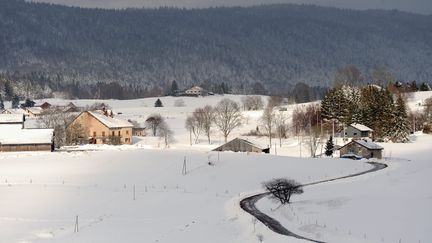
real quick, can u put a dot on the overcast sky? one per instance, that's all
(418, 6)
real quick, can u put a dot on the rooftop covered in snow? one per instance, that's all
(25, 136)
(361, 127)
(108, 121)
(11, 118)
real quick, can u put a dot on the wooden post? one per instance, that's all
(134, 193)
(76, 229)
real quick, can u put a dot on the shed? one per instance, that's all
(242, 145)
(362, 147)
(15, 139)
(357, 130)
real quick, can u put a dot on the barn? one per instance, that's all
(242, 145)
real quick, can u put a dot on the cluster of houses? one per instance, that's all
(360, 146)
(101, 127)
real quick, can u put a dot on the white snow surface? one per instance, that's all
(42, 193)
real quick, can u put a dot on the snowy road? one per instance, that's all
(248, 204)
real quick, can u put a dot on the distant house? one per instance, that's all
(15, 111)
(362, 147)
(356, 130)
(242, 145)
(44, 105)
(70, 107)
(14, 138)
(12, 120)
(138, 131)
(196, 91)
(34, 111)
(100, 127)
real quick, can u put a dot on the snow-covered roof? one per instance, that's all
(365, 143)
(195, 88)
(25, 136)
(11, 118)
(361, 127)
(35, 110)
(247, 141)
(108, 121)
(14, 111)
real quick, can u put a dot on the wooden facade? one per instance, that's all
(26, 147)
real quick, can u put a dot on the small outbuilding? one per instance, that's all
(357, 130)
(362, 147)
(242, 145)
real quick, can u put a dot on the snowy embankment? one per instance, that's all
(42, 193)
(393, 205)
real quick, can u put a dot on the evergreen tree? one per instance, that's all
(376, 109)
(8, 90)
(158, 103)
(400, 125)
(425, 87)
(329, 149)
(15, 102)
(29, 103)
(1, 103)
(174, 88)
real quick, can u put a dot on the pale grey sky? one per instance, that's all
(418, 6)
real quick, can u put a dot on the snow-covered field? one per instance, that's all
(42, 193)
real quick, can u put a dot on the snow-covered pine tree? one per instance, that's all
(158, 103)
(329, 149)
(400, 126)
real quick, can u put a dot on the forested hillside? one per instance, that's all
(276, 45)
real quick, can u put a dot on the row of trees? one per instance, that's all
(225, 116)
(371, 105)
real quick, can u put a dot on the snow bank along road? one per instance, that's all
(248, 204)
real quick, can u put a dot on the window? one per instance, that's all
(113, 133)
(94, 134)
(119, 133)
(103, 134)
(127, 132)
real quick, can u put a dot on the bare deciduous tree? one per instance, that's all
(75, 134)
(194, 126)
(282, 189)
(281, 126)
(207, 116)
(165, 133)
(252, 103)
(57, 120)
(227, 117)
(153, 122)
(268, 122)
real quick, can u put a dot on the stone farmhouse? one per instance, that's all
(362, 147)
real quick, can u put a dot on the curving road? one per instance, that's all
(248, 204)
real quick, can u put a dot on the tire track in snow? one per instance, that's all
(248, 204)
